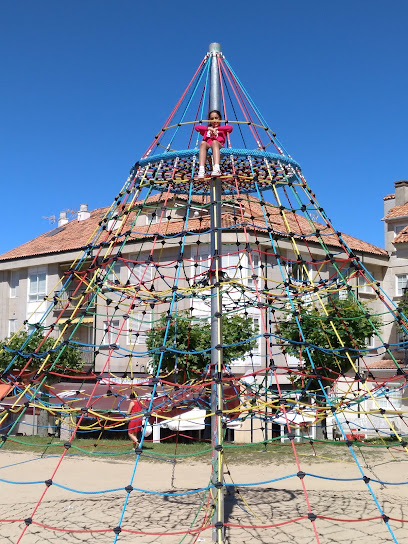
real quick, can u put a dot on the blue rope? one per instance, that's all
(256, 153)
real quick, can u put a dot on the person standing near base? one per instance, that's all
(136, 423)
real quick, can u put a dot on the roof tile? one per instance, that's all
(397, 211)
(248, 212)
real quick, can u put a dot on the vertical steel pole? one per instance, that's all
(215, 84)
(216, 322)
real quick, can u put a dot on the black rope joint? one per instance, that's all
(312, 516)
(48, 483)
(385, 518)
(301, 474)
(218, 485)
(129, 488)
(117, 530)
(219, 525)
(218, 447)
(67, 445)
(138, 451)
(366, 479)
(28, 521)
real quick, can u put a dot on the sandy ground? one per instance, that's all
(255, 505)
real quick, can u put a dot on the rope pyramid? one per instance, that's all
(147, 267)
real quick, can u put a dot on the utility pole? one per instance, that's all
(217, 435)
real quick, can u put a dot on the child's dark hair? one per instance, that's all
(132, 395)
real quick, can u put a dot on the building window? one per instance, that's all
(33, 320)
(400, 284)
(394, 400)
(37, 285)
(14, 282)
(256, 358)
(140, 273)
(366, 285)
(12, 326)
(398, 229)
(370, 342)
(402, 337)
(298, 272)
(202, 261)
(154, 218)
(138, 324)
(114, 225)
(114, 274)
(337, 283)
(256, 263)
(231, 260)
(111, 329)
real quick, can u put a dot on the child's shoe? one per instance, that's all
(216, 171)
(201, 173)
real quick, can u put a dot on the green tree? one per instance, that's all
(403, 304)
(332, 336)
(20, 348)
(189, 336)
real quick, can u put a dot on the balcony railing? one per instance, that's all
(69, 299)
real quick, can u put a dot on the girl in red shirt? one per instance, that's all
(136, 424)
(213, 136)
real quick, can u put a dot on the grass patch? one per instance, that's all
(274, 452)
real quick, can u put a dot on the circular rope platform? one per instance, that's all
(243, 170)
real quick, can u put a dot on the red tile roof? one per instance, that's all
(397, 211)
(402, 237)
(77, 234)
(385, 364)
(389, 197)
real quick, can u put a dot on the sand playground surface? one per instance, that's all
(65, 516)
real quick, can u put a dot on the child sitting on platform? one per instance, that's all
(213, 136)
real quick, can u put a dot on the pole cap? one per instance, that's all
(214, 48)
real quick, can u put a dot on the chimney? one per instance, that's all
(62, 220)
(401, 192)
(83, 212)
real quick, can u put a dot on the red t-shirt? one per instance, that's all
(222, 132)
(137, 423)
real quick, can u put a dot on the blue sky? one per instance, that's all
(85, 86)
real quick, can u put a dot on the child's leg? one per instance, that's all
(216, 153)
(216, 158)
(133, 438)
(202, 155)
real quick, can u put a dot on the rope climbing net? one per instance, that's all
(305, 325)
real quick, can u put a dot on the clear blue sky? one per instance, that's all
(85, 85)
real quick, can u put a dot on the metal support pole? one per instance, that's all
(216, 325)
(217, 362)
(215, 86)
